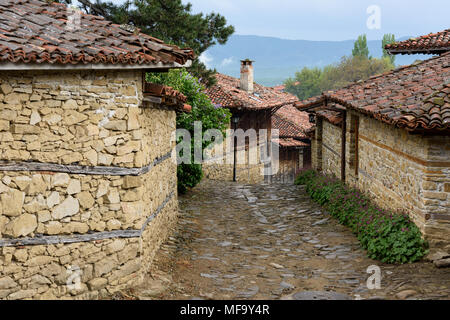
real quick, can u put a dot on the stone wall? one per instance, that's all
(398, 170)
(220, 166)
(435, 190)
(87, 182)
(331, 149)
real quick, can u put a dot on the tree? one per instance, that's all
(388, 39)
(352, 69)
(210, 115)
(312, 82)
(171, 21)
(305, 84)
(360, 48)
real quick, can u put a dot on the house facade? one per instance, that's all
(294, 130)
(252, 107)
(87, 184)
(389, 136)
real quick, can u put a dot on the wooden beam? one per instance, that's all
(77, 169)
(46, 240)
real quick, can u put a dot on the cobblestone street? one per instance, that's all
(269, 241)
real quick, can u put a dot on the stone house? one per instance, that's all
(87, 185)
(389, 136)
(294, 131)
(252, 106)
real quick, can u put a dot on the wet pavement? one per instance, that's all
(270, 241)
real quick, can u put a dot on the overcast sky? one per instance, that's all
(329, 19)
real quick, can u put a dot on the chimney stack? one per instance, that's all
(247, 75)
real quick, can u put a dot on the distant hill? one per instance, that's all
(278, 59)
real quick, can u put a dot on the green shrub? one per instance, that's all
(389, 237)
(211, 116)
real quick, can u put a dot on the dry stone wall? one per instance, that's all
(87, 183)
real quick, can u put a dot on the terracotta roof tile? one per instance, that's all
(290, 142)
(169, 95)
(333, 117)
(313, 101)
(433, 43)
(34, 31)
(291, 122)
(228, 94)
(411, 97)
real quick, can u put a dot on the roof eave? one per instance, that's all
(10, 66)
(418, 51)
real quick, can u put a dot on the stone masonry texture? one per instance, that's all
(92, 119)
(398, 170)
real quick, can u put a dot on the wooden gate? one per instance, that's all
(289, 166)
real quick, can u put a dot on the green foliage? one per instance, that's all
(305, 84)
(189, 175)
(389, 237)
(211, 116)
(360, 48)
(388, 39)
(311, 82)
(352, 69)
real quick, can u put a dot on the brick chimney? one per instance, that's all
(247, 75)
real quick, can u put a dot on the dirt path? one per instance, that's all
(270, 241)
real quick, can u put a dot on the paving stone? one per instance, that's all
(320, 295)
(229, 251)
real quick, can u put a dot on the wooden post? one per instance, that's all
(344, 131)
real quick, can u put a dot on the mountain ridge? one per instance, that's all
(277, 59)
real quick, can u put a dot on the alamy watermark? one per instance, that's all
(74, 277)
(242, 147)
(374, 19)
(374, 281)
(73, 19)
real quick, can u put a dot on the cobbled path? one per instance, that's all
(270, 241)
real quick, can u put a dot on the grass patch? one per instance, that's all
(386, 236)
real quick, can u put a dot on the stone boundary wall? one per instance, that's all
(398, 170)
(87, 183)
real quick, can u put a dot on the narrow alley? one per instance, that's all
(269, 241)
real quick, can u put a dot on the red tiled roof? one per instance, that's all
(290, 142)
(432, 43)
(34, 31)
(291, 122)
(228, 94)
(333, 117)
(280, 87)
(168, 95)
(313, 101)
(412, 97)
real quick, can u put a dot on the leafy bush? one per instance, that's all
(389, 237)
(211, 116)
